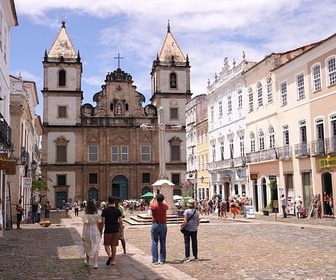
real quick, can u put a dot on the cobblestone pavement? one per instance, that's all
(263, 248)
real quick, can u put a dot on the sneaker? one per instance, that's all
(155, 263)
(185, 260)
(196, 259)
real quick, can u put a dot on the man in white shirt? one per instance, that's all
(298, 205)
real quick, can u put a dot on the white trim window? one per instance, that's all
(252, 142)
(260, 95)
(213, 153)
(242, 146)
(316, 77)
(331, 71)
(300, 86)
(212, 113)
(124, 153)
(261, 140)
(220, 108)
(250, 96)
(114, 153)
(229, 105)
(271, 137)
(240, 99)
(269, 90)
(93, 153)
(283, 92)
(146, 153)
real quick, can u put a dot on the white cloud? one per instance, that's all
(208, 31)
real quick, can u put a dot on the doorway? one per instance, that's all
(255, 195)
(327, 194)
(61, 198)
(120, 187)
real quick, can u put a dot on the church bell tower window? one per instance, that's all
(62, 78)
(172, 79)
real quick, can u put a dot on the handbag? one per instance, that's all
(183, 230)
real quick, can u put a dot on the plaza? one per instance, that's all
(267, 247)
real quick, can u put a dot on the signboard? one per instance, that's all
(254, 176)
(327, 162)
(27, 182)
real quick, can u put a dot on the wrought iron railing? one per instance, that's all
(5, 133)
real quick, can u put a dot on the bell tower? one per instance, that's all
(62, 94)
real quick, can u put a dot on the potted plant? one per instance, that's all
(266, 210)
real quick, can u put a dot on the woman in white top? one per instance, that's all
(91, 234)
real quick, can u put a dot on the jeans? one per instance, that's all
(193, 236)
(284, 211)
(159, 232)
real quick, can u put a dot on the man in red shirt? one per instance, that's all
(159, 228)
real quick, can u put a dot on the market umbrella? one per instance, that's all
(147, 195)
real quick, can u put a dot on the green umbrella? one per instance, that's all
(147, 195)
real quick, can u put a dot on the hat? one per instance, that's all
(191, 203)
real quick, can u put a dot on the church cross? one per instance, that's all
(118, 57)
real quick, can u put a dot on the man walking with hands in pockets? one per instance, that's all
(159, 228)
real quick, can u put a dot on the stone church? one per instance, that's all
(91, 151)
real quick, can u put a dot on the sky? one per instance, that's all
(206, 31)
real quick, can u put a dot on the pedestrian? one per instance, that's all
(67, 207)
(112, 222)
(19, 214)
(122, 230)
(159, 209)
(189, 227)
(298, 205)
(39, 210)
(222, 208)
(47, 210)
(283, 205)
(34, 208)
(76, 207)
(91, 233)
(234, 209)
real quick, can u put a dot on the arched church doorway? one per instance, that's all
(93, 194)
(226, 190)
(120, 187)
(145, 190)
(327, 193)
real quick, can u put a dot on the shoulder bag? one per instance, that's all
(182, 230)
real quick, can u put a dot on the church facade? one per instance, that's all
(93, 151)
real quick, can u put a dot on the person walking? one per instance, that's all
(159, 210)
(91, 235)
(47, 210)
(19, 214)
(34, 208)
(298, 205)
(112, 222)
(189, 227)
(122, 230)
(283, 205)
(76, 207)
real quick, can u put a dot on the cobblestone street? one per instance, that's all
(228, 249)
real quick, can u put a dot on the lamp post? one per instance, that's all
(163, 184)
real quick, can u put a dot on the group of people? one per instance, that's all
(189, 227)
(107, 224)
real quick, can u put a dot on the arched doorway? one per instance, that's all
(93, 194)
(146, 190)
(120, 187)
(327, 193)
(255, 195)
(226, 190)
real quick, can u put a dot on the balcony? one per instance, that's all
(264, 155)
(5, 133)
(317, 148)
(285, 153)
(116, 121)
(330, 145)
(302, 150)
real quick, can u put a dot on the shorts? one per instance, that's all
(111, 239)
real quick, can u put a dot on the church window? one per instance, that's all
(176, 178)
(61, 149)
(126, 106)
(93, 153)
(145, 177)
(175, 149)
(61, 78)
(145, 153)
(174, 113)
(93, 178)
(115, 153)
(124, 153)
(62, 112)
(61, 180)
(111, 106)
(172, 80)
